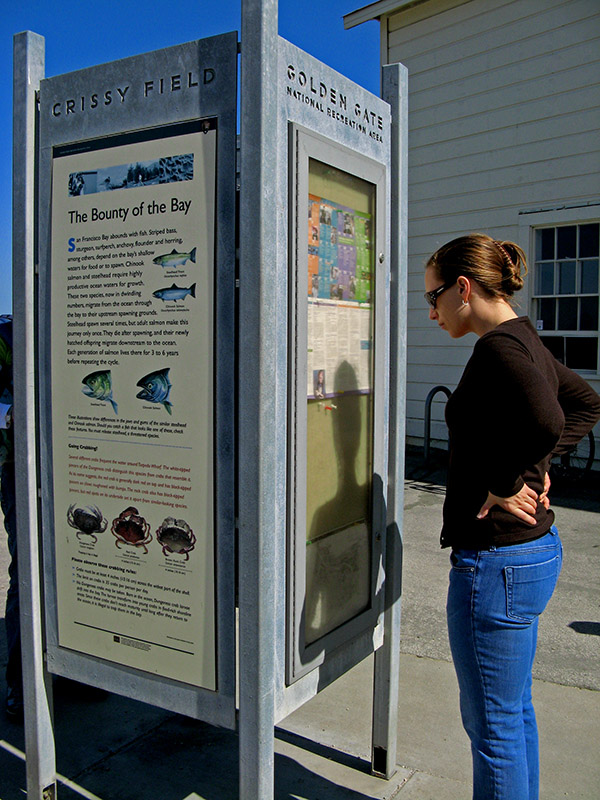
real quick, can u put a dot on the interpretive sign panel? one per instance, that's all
(137, 341)
(132, 309)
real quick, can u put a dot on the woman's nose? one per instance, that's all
(432, 313)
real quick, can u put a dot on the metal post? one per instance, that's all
(387, 658)
(257, 427)
(39, 736)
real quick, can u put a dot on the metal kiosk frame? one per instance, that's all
(74, 116)
(284, 91)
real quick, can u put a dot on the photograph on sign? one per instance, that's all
(132, 176)
(339, 461)
(132, 320)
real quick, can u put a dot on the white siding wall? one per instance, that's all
(504, 113)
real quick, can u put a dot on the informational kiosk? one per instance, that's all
(137, 277)
(144, 355)
(338, 181)
(321, 431)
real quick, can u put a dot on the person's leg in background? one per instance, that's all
(14, 681)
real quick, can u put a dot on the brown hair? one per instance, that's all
(497, 266)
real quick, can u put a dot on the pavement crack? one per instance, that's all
(413, 772)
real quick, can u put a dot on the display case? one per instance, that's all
(336, 510)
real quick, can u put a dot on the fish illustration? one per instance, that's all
(175, 259)
(98, 385)
(175, 293)
(156, 387)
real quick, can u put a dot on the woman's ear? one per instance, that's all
(464, 289)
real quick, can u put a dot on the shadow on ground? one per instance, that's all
(578, 491)
(113, 748)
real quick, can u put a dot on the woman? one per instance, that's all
(515, 407)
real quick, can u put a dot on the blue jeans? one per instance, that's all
(494, 600)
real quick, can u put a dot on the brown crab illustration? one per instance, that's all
(132, 529)
(87, 521)
(176, 536)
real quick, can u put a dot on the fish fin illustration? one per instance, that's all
(114, 405)
(173, 251)
(193, 290)
(193, 255)
(168, 406)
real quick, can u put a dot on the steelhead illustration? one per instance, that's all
(156, 387)
(175, 259)
(98, 386)
(175, 293)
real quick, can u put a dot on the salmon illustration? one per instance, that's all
(175, 293)
(98, 386)
(175, 259)
(155, 388)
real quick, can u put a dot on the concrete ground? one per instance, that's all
(112, 748)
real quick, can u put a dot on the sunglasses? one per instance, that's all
(432, 296)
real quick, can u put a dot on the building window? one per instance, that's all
(566, 292)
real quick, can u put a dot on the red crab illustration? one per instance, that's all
(176, 536)
(130, 528)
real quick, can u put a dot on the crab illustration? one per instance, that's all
(176, 536)
(130, 528)
(87, 521)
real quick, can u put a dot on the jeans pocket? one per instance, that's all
(529, 588)
(463, 561)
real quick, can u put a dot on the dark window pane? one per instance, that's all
(556, 345)
(582, 353)
(588, 314)
(589, 277)
(589, 240)
(567, 314)
(544, 244)
(566, 242)
(547, 314)
(566, 277)
(545, 279)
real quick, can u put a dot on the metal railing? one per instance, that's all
(428, 403)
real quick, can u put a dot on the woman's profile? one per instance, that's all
(514, 407)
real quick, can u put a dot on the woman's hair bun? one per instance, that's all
(514, 266)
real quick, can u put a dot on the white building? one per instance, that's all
(504, 119)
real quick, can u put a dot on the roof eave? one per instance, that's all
(376, 11)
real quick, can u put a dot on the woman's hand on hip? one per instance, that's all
(543, 498)
(522, 505)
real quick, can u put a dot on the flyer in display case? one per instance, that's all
(339, 390)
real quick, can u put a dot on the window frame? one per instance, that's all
(529, 223)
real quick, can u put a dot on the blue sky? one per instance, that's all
(79, 34)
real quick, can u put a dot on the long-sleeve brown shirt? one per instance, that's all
(514, 408)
